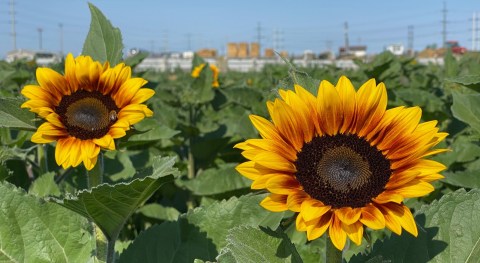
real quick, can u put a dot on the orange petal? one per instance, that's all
(318, 229)
(295, 200)
(312, 209)
(282, 184)
(354, 232)
(348, 215)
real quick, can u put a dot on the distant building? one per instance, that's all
(353, 51)
(396, 49)
(207, 52)
(40, 57)
(19, 54)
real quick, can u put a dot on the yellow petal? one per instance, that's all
(127, 91)
(312, 209)
(371, 106)
(348, 215)
(318, 229)
(354, 232)
(295, 200)
(414, 188)
(337, 234)
(347, 93)
(275, 162)
(372, 217)
(283, 184)
(275, 203)
(105, 142)
(329, 108)
(142, 95)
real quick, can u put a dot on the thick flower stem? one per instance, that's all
(95, 176)
(42, 158)
(333, 255)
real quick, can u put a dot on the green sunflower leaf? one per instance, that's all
(12, 116)
(218, 218)
(448, 231)
(455, 219)
(33, 230)
(469, 81)
(109, 206)
(465, 108)
(103, 42)
(250, 244)
(45, 186)
(176, 241)
(217, 181)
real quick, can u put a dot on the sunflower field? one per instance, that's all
(103, 162)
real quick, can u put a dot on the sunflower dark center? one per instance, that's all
(87, 115)
(342, 170)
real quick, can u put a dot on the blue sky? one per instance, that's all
(290, 25)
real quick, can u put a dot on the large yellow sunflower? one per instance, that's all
(86, 108)
(196, 73)
(341, 160)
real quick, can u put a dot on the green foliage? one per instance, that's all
(109, 206)
(104, 42)
(208, 211)
(33, 230)
(250, 244)
(13, 116)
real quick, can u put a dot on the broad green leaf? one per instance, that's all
(33, 230)
(151, 130)
(244, 96)
(469, 81)
(103, 42)
(455, 218)
(403, 248)
(201, 90)
(466, 179)
(298, 77)
(217, 180)
(448, 231)
(45, 186)
(465, 108)
(12, 116)
(176, 241)
(159, 212)
(219, 217)
(109, 206)
(250, 244)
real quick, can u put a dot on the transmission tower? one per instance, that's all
(40, 31)
(345, 27)
(410, 49)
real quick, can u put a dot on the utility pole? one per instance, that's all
(61, 38)
(475, 31)
(444, 24)
(12, 17)
(40, 30)
(347, 48)
(165, 41)
(410, 49)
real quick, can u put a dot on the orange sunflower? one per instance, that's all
(342, 160)
(85, 109)
(196, 73)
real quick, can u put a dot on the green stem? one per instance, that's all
(111, 250)
(42, 158)
(333, 255)
(95, 176)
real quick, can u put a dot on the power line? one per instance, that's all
(444, 24)
(14, 32)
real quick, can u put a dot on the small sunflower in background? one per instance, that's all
(198, 69)
(85, 109)
(342, 160)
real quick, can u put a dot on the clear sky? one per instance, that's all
(290, 25)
